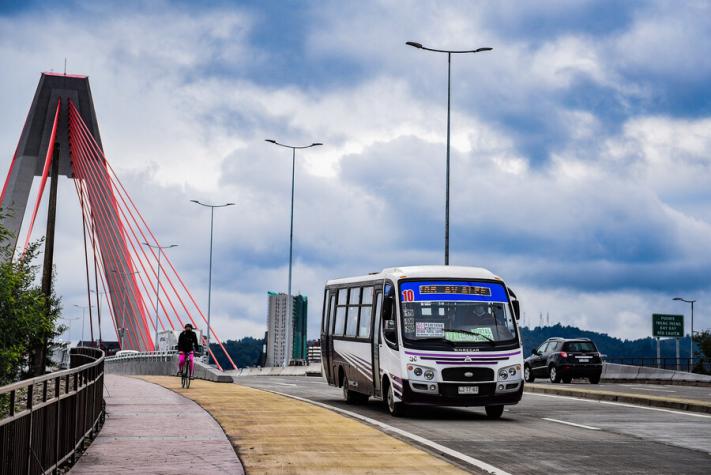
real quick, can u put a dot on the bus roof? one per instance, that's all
(396, 273)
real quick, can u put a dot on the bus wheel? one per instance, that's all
(352, 397)
(395, 409)
(494, 412)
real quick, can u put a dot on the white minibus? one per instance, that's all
(439, 335)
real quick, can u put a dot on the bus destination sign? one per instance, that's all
(667, 325)
(455, 289)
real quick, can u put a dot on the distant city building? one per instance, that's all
(286, 335)
(314, 352)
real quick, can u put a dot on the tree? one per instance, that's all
(703, 342)
(27, 316)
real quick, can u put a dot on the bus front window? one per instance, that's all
(459, 313)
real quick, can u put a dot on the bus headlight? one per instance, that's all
(418, 371)
(429, 375)
(509, 372)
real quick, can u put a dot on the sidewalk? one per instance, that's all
(277, 435)
(152, 430)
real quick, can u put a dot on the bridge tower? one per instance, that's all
(60, 119)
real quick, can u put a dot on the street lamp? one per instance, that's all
(122, 329)
(83, 317)
(160, 250)
(691, 344)
(449, 96)
(291, 231)
(98, 310)
(209, 279)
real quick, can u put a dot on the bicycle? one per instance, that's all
(186, 374)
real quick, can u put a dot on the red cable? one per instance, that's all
(45, 173)
(108, 165)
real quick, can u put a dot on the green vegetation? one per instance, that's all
(245, 352)
(703, 345)
(27, 317)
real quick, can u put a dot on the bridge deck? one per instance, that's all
(150, 429)
(278, 435)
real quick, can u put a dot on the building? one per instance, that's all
(314, 352)
(286, 337)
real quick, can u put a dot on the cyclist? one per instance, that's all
(187, 345)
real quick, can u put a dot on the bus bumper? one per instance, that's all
(448, 395)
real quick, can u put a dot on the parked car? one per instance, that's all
(564, 359)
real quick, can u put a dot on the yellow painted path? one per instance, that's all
(274, 434)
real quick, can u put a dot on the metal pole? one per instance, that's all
(446, 213)
(691, 337)
(659, 360)
(678, 361)
(155, 344)
(209, 284)
(83, 322)
(289, 315)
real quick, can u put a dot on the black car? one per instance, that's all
(564, 359)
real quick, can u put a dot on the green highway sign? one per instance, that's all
(667, 325)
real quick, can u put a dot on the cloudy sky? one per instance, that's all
(581, 145)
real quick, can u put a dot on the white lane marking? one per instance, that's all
(570, 423)
(653, 389)
(414, 437)
(624, 404)
(284, 384)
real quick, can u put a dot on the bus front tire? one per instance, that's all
(396, 409)
(494, 412)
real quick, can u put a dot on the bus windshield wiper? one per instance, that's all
(467, 332)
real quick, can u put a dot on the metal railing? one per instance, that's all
(160, 355)
(44, 421)
(672, 363)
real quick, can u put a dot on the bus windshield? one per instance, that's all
(456, 312)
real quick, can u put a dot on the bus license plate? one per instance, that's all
(468, 389)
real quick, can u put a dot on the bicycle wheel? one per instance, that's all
(184, 379)
(188, 374)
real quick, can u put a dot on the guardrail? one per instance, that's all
(671, 363)
(44, 421)
(144, 355)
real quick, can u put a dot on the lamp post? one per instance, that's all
(69, 327)
(160, 250)
(691, 343)
(209, 279)
(449, 101)
(98, 310)
(122, 329)
(291, 236)
(83, 317)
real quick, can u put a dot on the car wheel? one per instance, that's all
(494, 412)
(396, 409)
(595, 379)
(553, 374)
(528, 374)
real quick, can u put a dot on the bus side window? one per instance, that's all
(331, 313)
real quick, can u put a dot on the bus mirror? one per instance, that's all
(389, 325)
(389, 330)
(516, 309)
(387, 307)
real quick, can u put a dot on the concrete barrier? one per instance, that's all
(618, 373)
(160, 364)
(310, 370)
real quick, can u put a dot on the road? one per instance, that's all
(543, 434)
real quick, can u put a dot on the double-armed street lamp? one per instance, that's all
(209, 284)
(291, 232)
(160, 250)
(691, 334)
(449, 96)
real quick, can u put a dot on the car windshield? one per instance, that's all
(456, 312)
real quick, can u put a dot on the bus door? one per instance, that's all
(377, 343)
(327, 336)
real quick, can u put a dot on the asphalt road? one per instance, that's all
(544, 434)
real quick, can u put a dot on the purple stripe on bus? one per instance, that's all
(466, 363)
(495, 358)
(474, 355)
